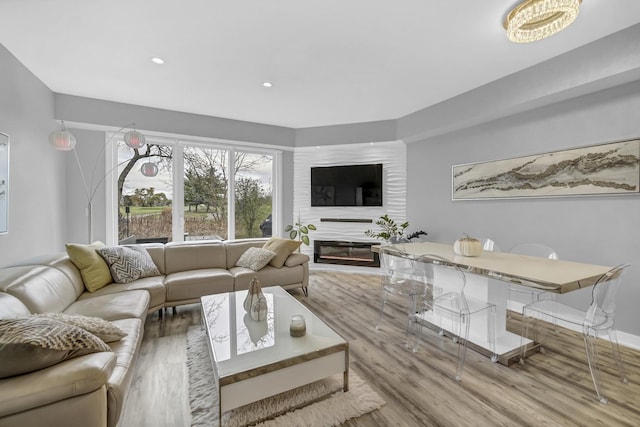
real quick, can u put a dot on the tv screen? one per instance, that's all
(350, 185)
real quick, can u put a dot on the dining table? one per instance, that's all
(489, 276)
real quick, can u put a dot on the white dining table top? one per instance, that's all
(557, 276)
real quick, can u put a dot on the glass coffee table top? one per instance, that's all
(240, 344)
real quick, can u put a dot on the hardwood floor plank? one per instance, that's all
(550, 389)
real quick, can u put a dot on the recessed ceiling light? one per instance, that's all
(158, 61)
(267, 84)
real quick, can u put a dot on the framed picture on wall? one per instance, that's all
(4, 183)
(612, 168)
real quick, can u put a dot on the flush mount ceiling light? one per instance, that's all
(157, 60)
(534, 20)
(267, 84)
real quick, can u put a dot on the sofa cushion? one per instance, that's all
(282, 247)
(235, 248)
(194, 255)
(255, 258)
(156, 252)
(296, 259)
(128, 263)
(42, 289)
(103, 329)
(30, 344)
(191, 285)
(121, 305)
(93, 269)
(11, 307)
(65, 382)
(119, 382)
(268, 276)
(153, 285)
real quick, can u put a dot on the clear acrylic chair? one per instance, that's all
(453, 311)
(490, 245)
(520, 295)
(598, 318)
(402, 276)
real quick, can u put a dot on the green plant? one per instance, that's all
(300, 231)
(392, 231)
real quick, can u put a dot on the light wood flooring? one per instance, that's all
(551, 389)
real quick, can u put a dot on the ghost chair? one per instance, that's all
(490, 245)
(518, 296)
(597, 319)
(453, 311)
(403, 276)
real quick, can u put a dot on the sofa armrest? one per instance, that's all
(73, 377)
(296, 259)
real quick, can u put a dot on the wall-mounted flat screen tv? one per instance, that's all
(349, 185)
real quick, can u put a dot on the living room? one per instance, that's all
(585, 96)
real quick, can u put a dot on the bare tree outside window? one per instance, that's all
(145, 203)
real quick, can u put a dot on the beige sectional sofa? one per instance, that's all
(90, 390)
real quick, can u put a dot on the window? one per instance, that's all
(144, 202)
(197, 194)
(205, 193)
(253, 194)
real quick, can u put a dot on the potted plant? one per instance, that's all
(393, 232)
(300, 231)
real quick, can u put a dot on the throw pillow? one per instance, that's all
(282, 247)
(128, 263)
(94, 271)
(255, 258)
(103, 329)
(27, 345)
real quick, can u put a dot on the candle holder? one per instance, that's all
(298, 327)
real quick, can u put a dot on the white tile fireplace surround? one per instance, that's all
(393, 157)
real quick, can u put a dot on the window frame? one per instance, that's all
(178, 145)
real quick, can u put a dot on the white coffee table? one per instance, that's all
(254, 360)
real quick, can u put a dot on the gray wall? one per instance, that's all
(115, 114)
(89, 148)
(601, 230)
(380, 131)
(608, 62)
(37, 194)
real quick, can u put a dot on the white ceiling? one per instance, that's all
(330, 61)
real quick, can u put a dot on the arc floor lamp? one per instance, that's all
(63, 140)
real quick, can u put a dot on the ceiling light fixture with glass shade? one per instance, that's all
(533, 20)
(63, 140)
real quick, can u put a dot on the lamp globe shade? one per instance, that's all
(62, 140)
(134, 139)
(149, 169)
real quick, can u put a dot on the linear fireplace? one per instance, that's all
(345, 253)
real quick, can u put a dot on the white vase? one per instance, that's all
(254, 292)
(255, 303)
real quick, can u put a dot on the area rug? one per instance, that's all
(334, 408)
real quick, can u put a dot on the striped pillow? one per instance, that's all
(128, 263)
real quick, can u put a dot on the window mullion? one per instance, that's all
(178, 193)
(231, 194)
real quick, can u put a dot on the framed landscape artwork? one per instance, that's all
(4, 183)
(612, 168)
